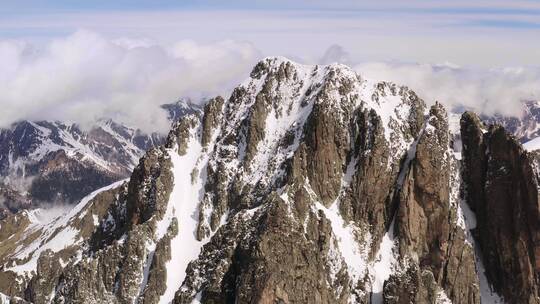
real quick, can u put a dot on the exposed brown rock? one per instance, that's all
(149, 187)
(158, 271)
(280, 263)
(502, 187)
(179, 135)
(326, 141)
(48, 271)
(412, 286)
(426, 225)
(255, 123)
(211, 118)
(422, 221)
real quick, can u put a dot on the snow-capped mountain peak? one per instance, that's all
(309, 184)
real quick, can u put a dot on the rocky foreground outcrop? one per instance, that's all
(502, 189)
(309, 184)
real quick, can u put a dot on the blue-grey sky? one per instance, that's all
(84, 60)
(486, 33)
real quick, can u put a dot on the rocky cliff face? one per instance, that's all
(502, 188)
(309, 184)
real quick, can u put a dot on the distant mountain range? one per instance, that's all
(52, 162)
(525, 127)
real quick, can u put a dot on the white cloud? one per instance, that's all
(85, 76)
(488, 91)
(486, 33)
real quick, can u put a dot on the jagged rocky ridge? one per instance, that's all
(309, 184)
(57, 163)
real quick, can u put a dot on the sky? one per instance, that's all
(96, 57)
(486, 33)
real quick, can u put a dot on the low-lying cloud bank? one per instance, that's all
(487, 91)
(85, 76)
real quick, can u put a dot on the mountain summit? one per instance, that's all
(309, 184)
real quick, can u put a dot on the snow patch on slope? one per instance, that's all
(55, 235)
(383, 265)
(133, 152)
(184, 206)
(411, 154)
(355, 257)
(74, 147)
(442, 298)
(487, 295)
(532, 145)
(151, 249)
(5, 299)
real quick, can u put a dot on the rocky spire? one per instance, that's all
(503, 190)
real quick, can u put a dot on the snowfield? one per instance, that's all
(532, 145)
(56, 234)
(183, 205)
